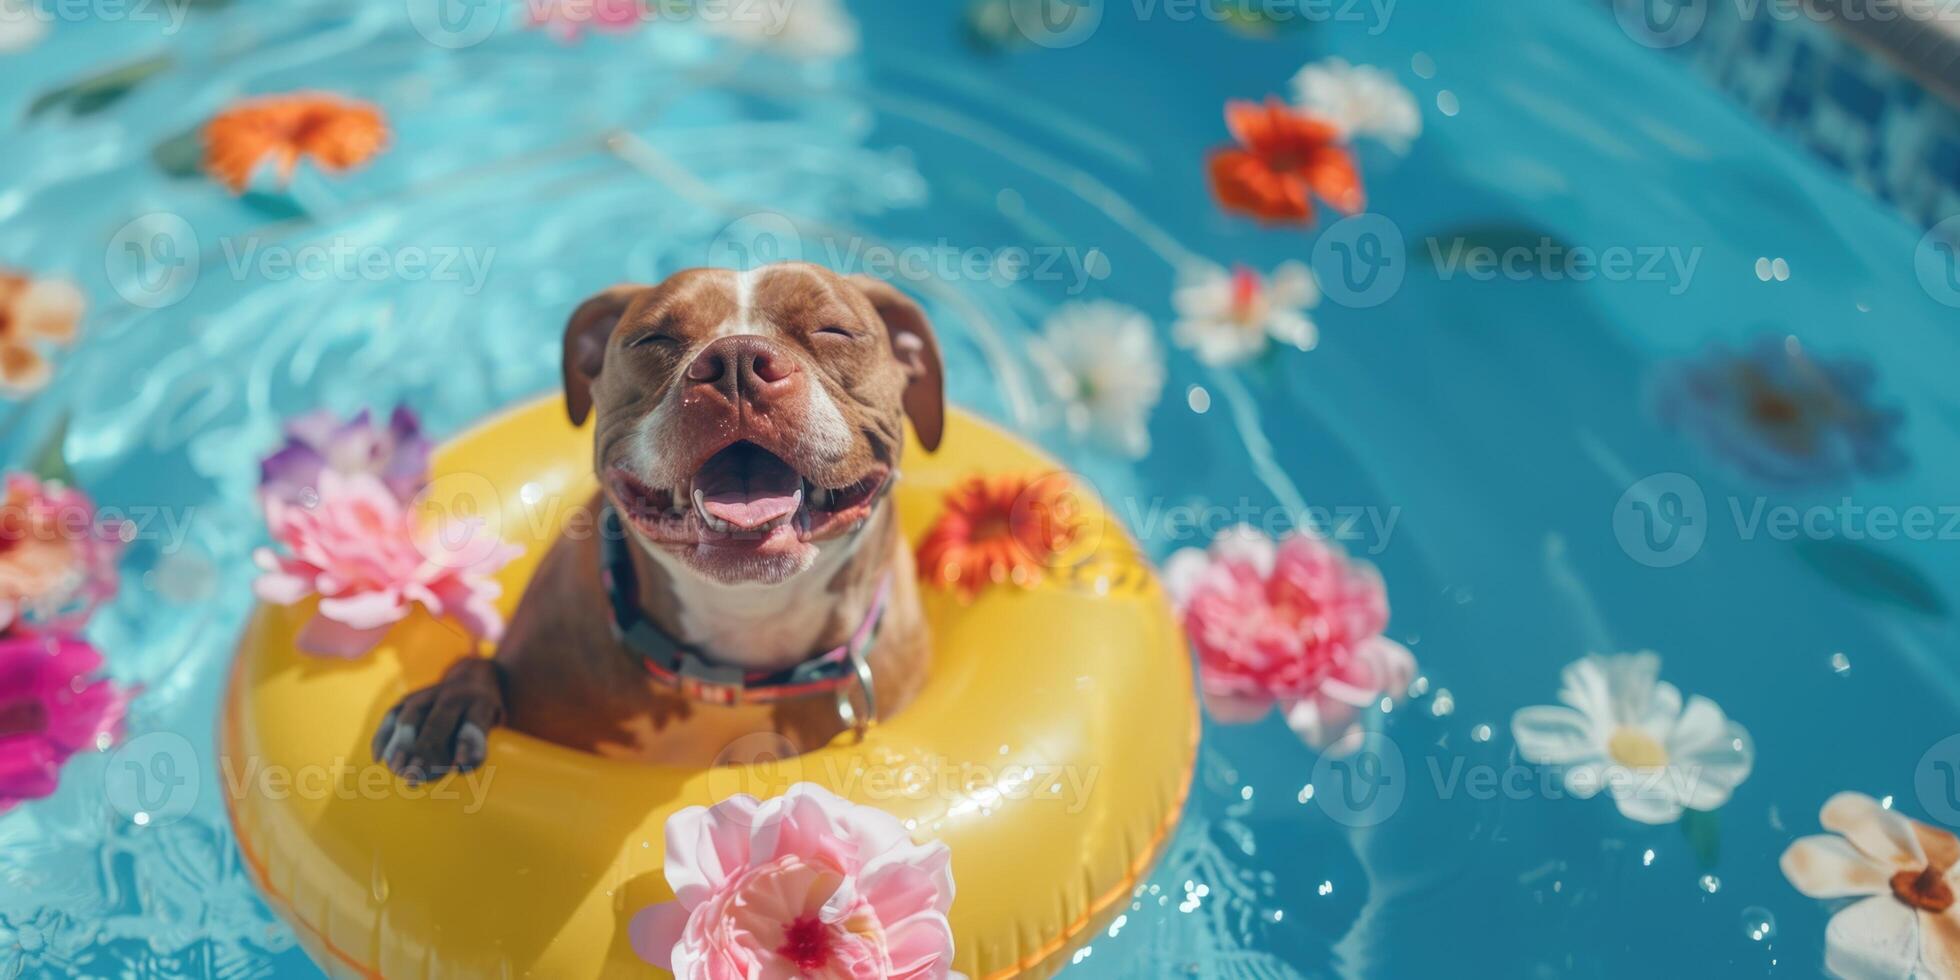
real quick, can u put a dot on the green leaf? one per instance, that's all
(1704, 831)
(181, 155)
(1868, 573)
(50, 461)
(101, 90)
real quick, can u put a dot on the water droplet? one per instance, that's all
(1711, 884)
(1306, 793)
(1326, 888)
(1419, 686)
(1423, 65)
(1647, 859)
(1885, 801)
(1444, 703)
(1481, 733)
(1446, 103)
(309, 498)
(1198, 398)
(1840, 664)
(140, 818)
(1758, 924)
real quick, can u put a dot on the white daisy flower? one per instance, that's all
(1360, 99)
(1228, 317)
(21, 27)
(812, 29)
(1625, 730)
(1102, 360)
(1905, 923)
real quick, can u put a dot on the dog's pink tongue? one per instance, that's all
(748, 487)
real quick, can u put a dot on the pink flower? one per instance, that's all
(369, 560)
(566, 19)
(804, 885)
(49, 710)
(1294, 624)
(57, 564)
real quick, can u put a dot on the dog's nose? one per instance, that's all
(756, 365)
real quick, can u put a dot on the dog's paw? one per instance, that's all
(441, 729)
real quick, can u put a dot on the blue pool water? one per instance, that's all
(1498, 424)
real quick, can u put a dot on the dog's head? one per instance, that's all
(748, 420)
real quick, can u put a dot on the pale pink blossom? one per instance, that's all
(57, 558)
(1293, 624)
(370, 561)
(805, 885)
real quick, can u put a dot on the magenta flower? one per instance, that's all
(1297, 625)
(50, 710)
(804, 885)
(318, 441)
(57, 561)
(370, 561)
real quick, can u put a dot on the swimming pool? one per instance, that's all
(1542, 462)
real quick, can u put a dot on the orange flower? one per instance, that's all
(32, 313)
(1284, 158)
(337, 133)
(1001, 529)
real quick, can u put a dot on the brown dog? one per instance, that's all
(748, 429)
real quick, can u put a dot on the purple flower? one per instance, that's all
(1781, 415)
(397, 455)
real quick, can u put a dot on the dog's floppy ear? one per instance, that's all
(918, 351)
(586, 335)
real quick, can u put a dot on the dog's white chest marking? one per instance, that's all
(755, 626)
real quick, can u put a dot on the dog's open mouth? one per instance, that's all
(745, 494)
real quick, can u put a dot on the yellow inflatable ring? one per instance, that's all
(1064, 713)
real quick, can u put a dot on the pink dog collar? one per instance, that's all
(684, 669)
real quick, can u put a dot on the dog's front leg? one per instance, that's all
(444, 727)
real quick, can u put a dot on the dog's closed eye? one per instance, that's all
(834, 330)
(652, 338)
